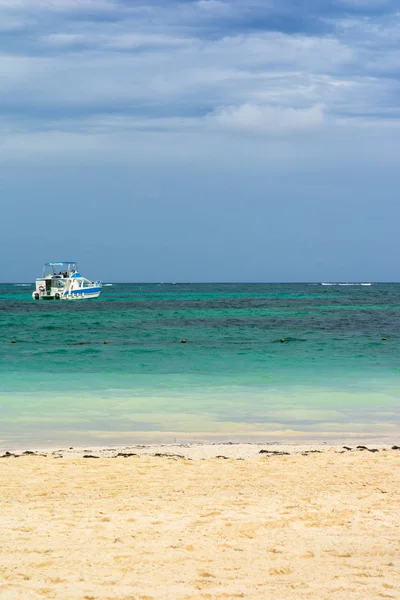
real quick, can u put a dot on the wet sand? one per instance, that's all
(312, 525)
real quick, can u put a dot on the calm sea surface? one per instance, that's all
(233, 378)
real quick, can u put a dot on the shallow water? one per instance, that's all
(233, 377)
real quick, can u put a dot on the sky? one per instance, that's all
(207, 140)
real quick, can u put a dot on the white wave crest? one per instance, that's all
(345, 284)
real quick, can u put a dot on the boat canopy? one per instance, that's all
(60, 268)
(59, 264)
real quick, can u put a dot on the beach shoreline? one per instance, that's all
(200, 450)
(233, 446)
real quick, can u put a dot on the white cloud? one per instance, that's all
(215, 6)
(9, 23)
(64, 39)
(163, 74)
(122, 41)
(123, 141)
(266, 120)
(175, 71)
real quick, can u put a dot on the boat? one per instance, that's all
(63, 281)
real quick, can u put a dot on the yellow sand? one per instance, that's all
(285, 527)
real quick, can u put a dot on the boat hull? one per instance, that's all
(66, 293)
(84, 294)
(70, 296)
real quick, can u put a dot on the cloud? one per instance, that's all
(212, 66)
(10, 23)
(58, 5)
(362, 4)
(266, 120)
(215, 6)
(174, 74)
(124, 41)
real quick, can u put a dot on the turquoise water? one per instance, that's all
(232, 379)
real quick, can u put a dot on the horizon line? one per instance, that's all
(333, 282)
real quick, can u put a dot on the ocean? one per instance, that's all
(333, 377)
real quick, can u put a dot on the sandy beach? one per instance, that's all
(201, 522)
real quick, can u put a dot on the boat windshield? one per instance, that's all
(62, 269)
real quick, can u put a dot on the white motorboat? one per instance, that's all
(62, 281)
